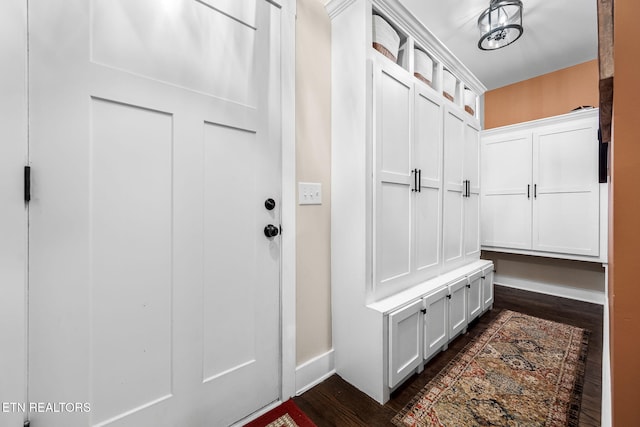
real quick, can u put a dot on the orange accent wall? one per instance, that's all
(624, 255)
(544, 96)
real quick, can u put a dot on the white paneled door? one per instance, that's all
(155, 142)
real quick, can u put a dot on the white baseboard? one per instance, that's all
(586, 295)
(314, 371)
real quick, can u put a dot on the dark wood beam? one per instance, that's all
(605, 62)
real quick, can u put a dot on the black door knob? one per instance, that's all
(271, 231)
(269, 204)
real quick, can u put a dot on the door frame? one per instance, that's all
(288, 251)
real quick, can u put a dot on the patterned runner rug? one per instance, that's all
(521, 371)
(286, 415)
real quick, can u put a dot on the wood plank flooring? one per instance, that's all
(334, 402)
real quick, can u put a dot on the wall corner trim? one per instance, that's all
(314, 371)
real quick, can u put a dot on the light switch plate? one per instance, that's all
(309, 193)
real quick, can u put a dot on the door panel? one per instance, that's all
(487, 288)
(453, 206)
(566, 195)
(150, 42)
(148, 215)
(394, 232)
(472, 201)
(405, 336)
(428, 231)
(394, 241)
(474, 296)
(130, 257)
(394, 123)
(457, 307)
(428, 159)
(472, 226)
(507, 191)
(13, 211)
(436, 322)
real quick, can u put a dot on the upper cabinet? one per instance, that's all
(405, 150)
(540, 192)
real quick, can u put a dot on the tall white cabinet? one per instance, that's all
(406, 266)
(540, 192)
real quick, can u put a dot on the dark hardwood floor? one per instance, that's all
(334, 402)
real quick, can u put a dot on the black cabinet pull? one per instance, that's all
(535, 191)
(528, 191)
(423, 311)
(468, 188)
(419, 181)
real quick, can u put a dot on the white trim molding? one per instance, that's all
(288, 259)
(314, 371)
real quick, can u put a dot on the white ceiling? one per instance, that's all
(557, 34)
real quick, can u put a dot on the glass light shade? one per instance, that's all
(500, 24)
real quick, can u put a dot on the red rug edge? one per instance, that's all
(288, 407)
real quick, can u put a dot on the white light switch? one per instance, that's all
(309, 193)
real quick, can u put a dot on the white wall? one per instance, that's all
(580, 280)
(313, 164)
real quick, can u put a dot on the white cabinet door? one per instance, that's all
(506, 191)
(436, 322)
(457, 307)
(453, 204)
(405, 341)
(566, 191)
(487, 288)
(394, 180)
(472, 199)
(474, 296)
(428, 160)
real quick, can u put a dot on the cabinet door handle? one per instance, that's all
(528, 191)
(535, 191)
(423, 311)
(419, 181)
(468, 188)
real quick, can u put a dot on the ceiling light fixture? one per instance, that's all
(500, 24)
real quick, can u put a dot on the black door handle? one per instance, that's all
(535, 191)
(528, 191)
(271, 231)
(419, 181)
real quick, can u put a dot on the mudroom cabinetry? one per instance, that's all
(540, 192)
(405, 194)
(461, 231)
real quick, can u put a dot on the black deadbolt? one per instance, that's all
(269, 204)
(271, 231)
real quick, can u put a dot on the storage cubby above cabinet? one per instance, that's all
(393, 33)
